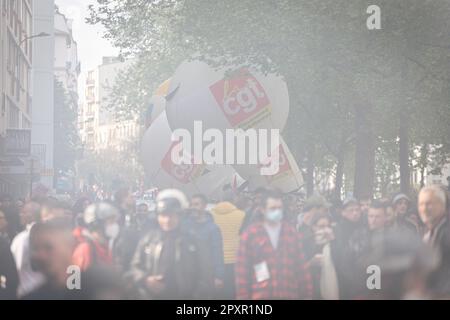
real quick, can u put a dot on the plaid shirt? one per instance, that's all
(289, 276)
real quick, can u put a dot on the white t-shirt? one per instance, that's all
(274, 233)
(20, 248)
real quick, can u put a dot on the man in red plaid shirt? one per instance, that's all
(270, 263)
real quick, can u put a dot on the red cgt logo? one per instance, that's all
(240, 97)
(183, 172)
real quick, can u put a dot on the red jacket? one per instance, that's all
(89, 252)
(289, 276)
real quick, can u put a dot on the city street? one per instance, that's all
(224, 150)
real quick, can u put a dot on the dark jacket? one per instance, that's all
(208, 232)
(349, 243)
(127, 241)
(410, 223)
(440, 279)
(190, 270)
(309, 245)
(9, 279)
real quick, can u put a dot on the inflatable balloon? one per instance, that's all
(157, 102)
(163, 88)
(288, 178)
(156, 152)
(242, 98)
(158, 105)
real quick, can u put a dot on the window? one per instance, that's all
(90, 93)
(3, 105)
(25, 123)
(13, 119)
(5, 7)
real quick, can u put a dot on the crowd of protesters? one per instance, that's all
(249, 245)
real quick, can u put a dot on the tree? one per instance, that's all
(350, 88)
(66, 139)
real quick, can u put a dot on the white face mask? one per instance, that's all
(112, 230)
(274, 215)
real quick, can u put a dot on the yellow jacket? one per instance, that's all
(229, 220)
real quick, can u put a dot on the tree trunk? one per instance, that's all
(339, 172)
(423, 164)
(404, 156)
(364, 154)
(310, 170)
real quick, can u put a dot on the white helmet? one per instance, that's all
(171, 198)
(97, 213)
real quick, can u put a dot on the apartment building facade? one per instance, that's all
(16, 51)
(99, 129)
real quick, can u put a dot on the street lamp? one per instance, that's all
(39, 35)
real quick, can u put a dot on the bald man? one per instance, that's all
(432, 205)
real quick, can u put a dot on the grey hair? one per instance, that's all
(437, 191)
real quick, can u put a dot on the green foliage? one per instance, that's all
(67, 142)
(334, 66)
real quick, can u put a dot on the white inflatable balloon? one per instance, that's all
(159, 105)
(242, 99)
(288, 178)
(156, 158)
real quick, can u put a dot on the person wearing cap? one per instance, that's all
(314, 205)
(348, 237)
(433, 210)
(405, 219)
(96, 241)
(169, 262)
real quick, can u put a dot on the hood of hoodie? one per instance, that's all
(224, 208)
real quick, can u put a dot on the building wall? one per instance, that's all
(16, 26)
(67, 66)
(99, 130)
(15, 81)
(43, 81)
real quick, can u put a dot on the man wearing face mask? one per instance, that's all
(271, 262)
(95, 245)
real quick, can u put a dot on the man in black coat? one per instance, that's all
(169, 263)
(350, 240)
